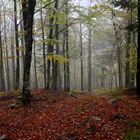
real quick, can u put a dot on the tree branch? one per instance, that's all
(44, 6)
(63, 29)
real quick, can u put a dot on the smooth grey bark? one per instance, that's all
(64, 54)
(56, 63)
(7, 56)
(2, 80)
(13, 62)
(35, 69)
(44, 50)
(81, 58)
(89, 58)
(119, 55)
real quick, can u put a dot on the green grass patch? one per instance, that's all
(132, 135)
(132, 130)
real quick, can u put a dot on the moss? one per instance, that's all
(132, 130)
(118, 98)
(2, 94)
(132, 135)
(23, 100)
(133, 125)
(72, 93)
(17, 92)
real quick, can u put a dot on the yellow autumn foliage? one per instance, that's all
(59, 58)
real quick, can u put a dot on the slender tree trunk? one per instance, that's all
(7, 57)
(28, 8)
(2, 81)
(44, 50)
(119, 54)
(17, 46)
(89, 60)
(22, 52)
(50, 51)
(115, 75)
(64, 54)
(81, 57)
(102, 78)
(127, 69)
(134, 63)
(67, 50)
(13, 62)
(35, 71)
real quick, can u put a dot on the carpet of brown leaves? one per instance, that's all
(58, 117)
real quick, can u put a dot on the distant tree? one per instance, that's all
(6, 53)
(2, 81)
(44, 49)
(89, 58)
(81, 57)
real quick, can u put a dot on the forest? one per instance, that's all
(69, 70)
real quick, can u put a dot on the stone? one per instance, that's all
(96, 118)
(4, 137)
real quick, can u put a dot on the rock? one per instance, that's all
(119, 117)
(4, 137)
(92, 129)
(96, 118)
(14, 105)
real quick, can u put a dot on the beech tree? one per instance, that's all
(17, 47)
(28, 9)
(138, 52)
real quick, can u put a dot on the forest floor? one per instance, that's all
(86, 116)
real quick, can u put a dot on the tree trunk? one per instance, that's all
(55, 64)
(13, 62)
(81, 57)
(67, 50)
(7, 57)
(17, 47)
(44, 50)
(119, 66)
(2, 81)
(28, 8)
(35, 71)
(128, 45)
(89, 59)
(50, 51)
(138, 52)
